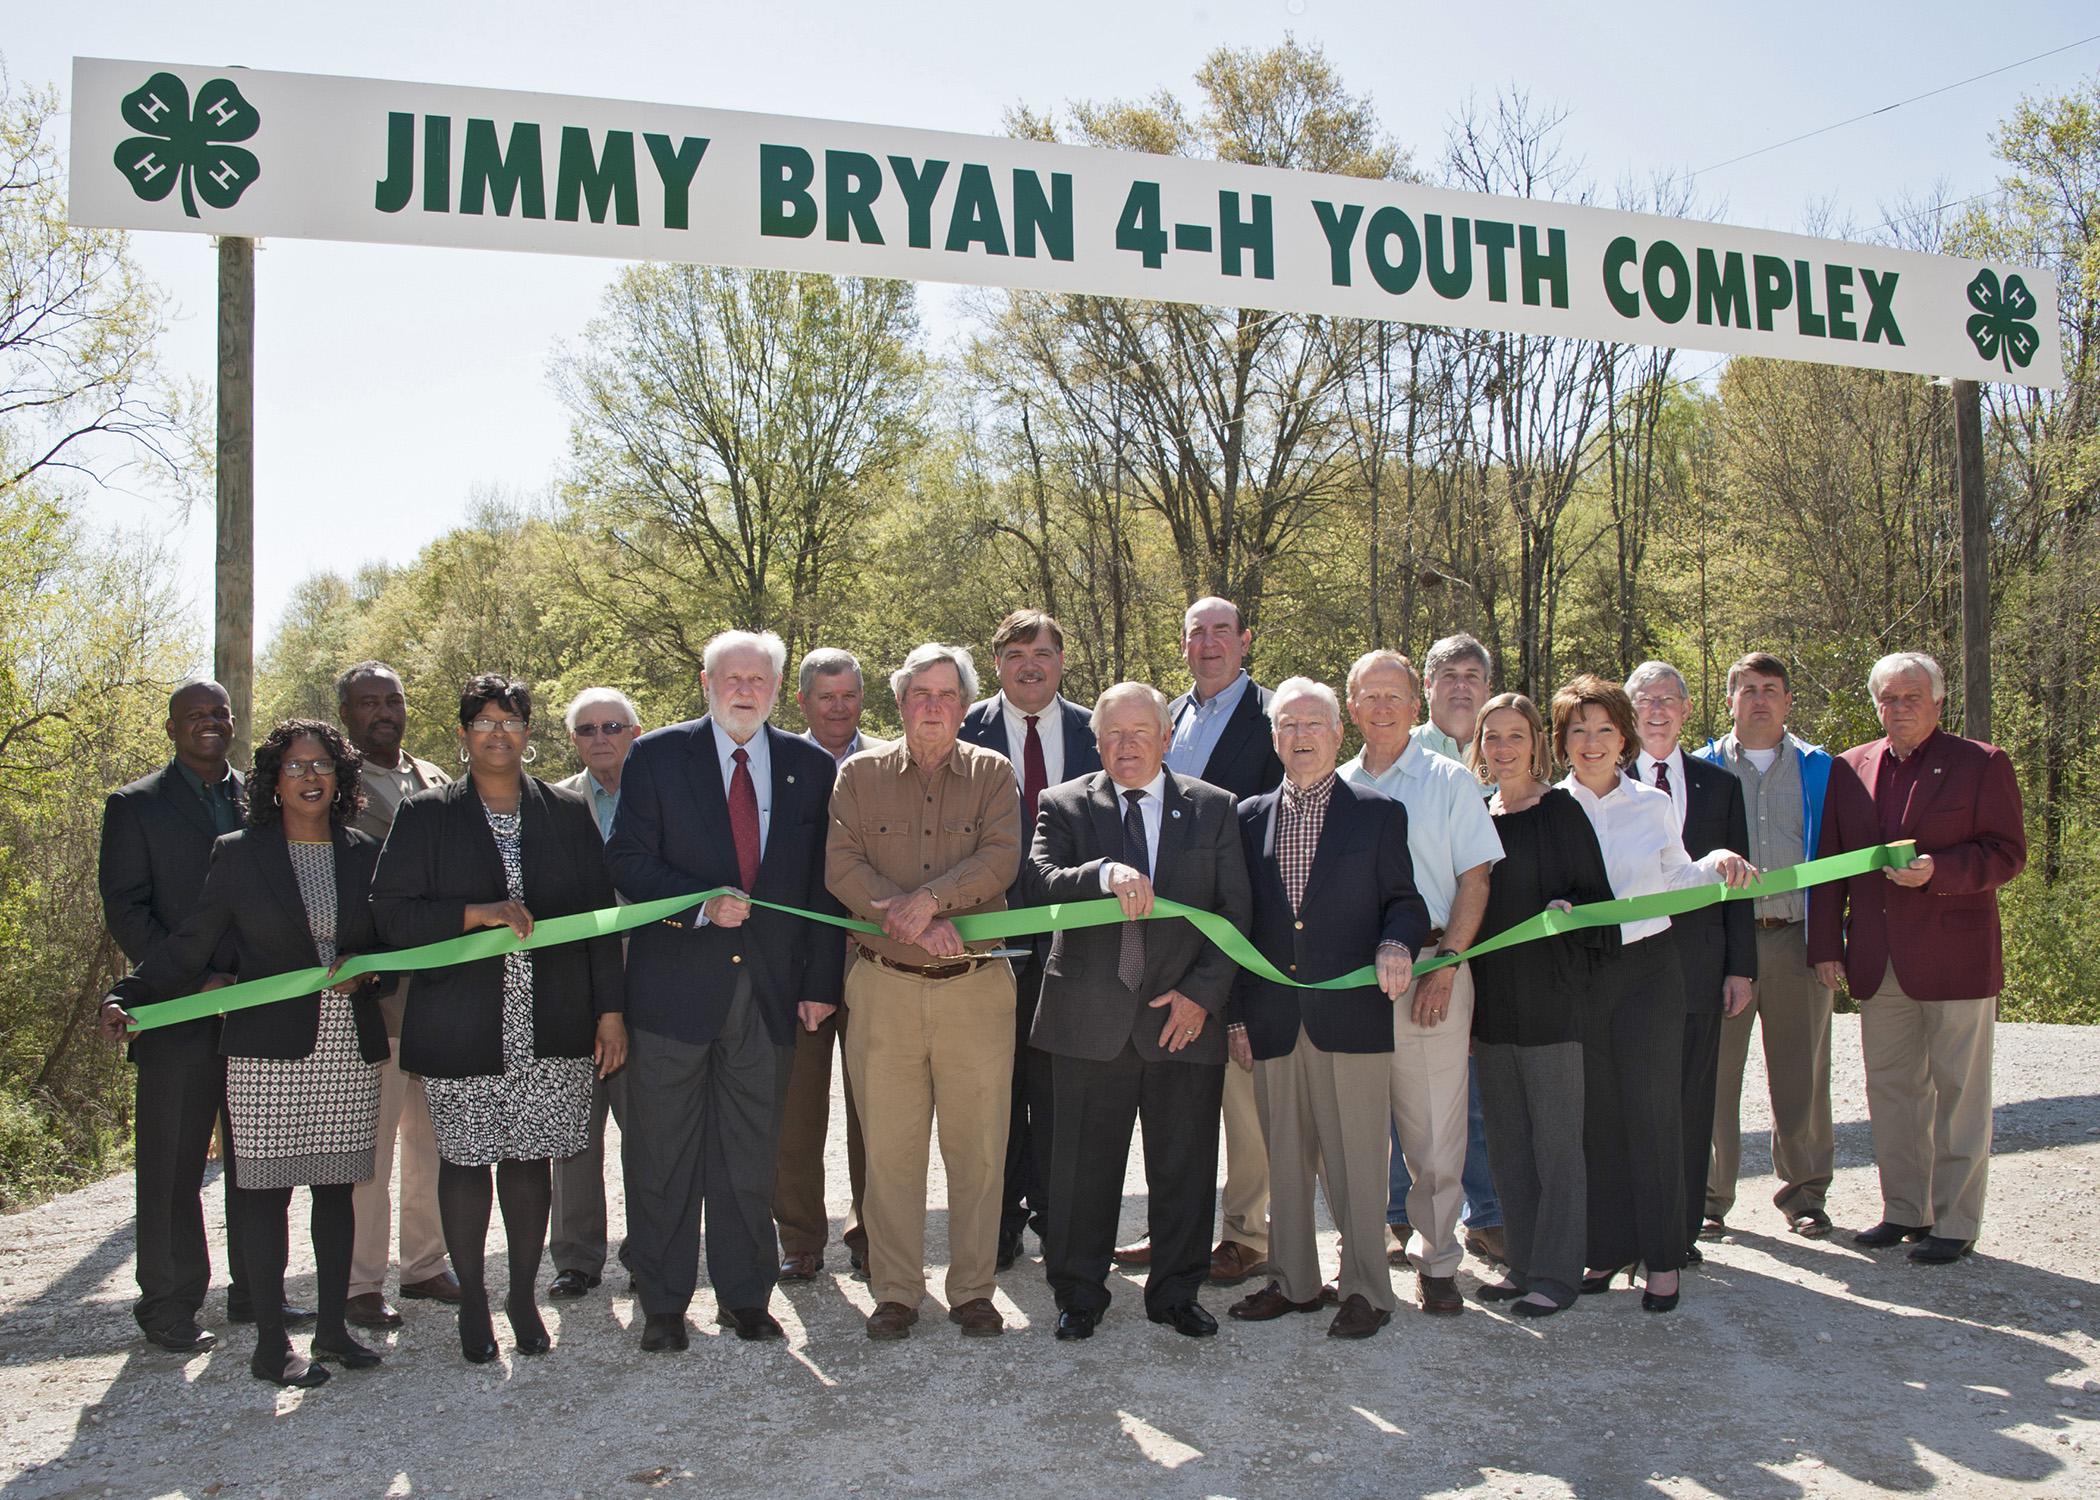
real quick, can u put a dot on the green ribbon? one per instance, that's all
(1028, 921)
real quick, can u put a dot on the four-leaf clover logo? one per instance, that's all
(2001, 327)
(194, 148)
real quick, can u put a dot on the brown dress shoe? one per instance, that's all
(1489, 1244)
(977, 1318)
(856, 1242)
(1232, 1262)
(1138, 1255)
(1440, 1295)
(443, 1287)
(370, 1310)
(1268, 1303)
(1396, 1253)
(1358, 1319)
(800, 1265)
(891, 1320)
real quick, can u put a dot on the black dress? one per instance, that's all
(1532, 995)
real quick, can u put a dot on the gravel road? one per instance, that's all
(1793, 1368)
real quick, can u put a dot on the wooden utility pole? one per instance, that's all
(233, 615)
(1975, 562)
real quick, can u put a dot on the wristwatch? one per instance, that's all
(1448, 951)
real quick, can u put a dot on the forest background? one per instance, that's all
(783, 452)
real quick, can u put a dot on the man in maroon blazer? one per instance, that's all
(1920, 948)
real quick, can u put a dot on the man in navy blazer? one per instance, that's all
(1334, 890)
(1716, 945)
(714, 996)
(1050, 741)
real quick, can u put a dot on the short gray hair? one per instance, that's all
(1896, 663)
(1650, 671)
(932, 654)
(767, 644)
(1305, 687)
(1382, 657)
(592, 695)
(824, 661)
(1144, 690)
(1453, 649)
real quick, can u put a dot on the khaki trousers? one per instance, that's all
(805, 1125)
(913, 1047)
(1431, 1086)
(1929, 1102)
(404, 1113)
(1244, 1202)
(1328, 1119)
(1794, 1011)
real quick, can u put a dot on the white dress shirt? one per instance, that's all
(1049, 728)
(1643, 847)
(1449, 830)
(1152, 806)
(760, 763)
(1678, 794)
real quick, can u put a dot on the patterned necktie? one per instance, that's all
(1130, 963)
(1034, 775)
(1662, 777)
(743, 819)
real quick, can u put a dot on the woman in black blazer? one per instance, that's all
(507, 1047)
(301, 1089)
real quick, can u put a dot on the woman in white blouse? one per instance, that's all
(1633, 1036)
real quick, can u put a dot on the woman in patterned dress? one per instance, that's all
(507, 1046)
(302, 1092)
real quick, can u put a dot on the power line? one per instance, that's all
(1913, 99)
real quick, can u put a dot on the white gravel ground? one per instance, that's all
(1793, 1368)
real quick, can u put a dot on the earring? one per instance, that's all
(276, 800)
(532, 753)
(463, 755)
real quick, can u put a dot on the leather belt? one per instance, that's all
(1768, 924)
(954, 970)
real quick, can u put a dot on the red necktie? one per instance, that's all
(1662, 776)
(743, 819)
(1034, 774)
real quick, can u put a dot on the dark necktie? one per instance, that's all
(1034, 774)
(1662, 776)
(1130, 963)
(743, 819)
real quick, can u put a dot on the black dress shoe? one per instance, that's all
(1499, 1292)
(477, 1337)
(662, 1331)
(294, 1317)
(350, 1354)
(1009, 1248)
(1694, 1256)
(182, 1338)
(752, 1324)
(294, 1373)
(569, 1284)
(526, 1327)
(1075, 1323)
(1937, 1250)
(1188, 1319)
(1885, 1234)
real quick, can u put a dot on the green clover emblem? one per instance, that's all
(2001, 327)
(194, 148)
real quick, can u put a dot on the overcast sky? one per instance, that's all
(394, 381)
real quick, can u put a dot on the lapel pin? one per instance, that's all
(791, 780)
(1175, 813)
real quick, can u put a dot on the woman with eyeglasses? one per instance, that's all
(302, 1086)
(508, 1047)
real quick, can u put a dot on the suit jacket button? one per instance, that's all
(1299, 925)
(736, 958)
(1294, 968)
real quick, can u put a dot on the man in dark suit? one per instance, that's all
(714, 998)
(1222, 736)
(1131, 1015)
(1716, 945)
(1049, 742)
(157, 835)
(1921, 950)
(1333, 890)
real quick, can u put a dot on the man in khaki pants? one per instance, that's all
(922, 832)
(374, 714)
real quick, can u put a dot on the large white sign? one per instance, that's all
(229, 151)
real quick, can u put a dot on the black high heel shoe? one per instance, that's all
(291, 1372)
(1661, 1302)
(1591, 1285)
(477, 1338)
(525, 1326)
(1493, 1293)
(346, 1351)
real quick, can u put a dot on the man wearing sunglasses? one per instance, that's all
(603, 727)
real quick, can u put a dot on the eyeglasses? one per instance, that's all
(1668, 700)
(490, 726)
(609, 728)
(299, 770)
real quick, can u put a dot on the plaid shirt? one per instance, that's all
(1299, 817)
